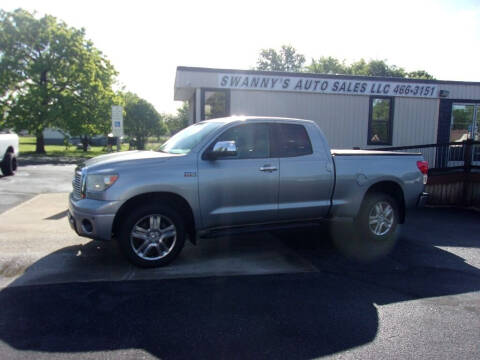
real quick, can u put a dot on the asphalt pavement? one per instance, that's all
(421, 301)
(32, 180)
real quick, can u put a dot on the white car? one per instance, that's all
(8, 152)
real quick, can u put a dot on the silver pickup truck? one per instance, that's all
(239, 174)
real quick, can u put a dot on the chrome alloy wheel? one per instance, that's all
(381, 218)
(153, 237)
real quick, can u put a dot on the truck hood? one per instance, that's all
(126, 156)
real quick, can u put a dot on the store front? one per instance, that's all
(353, 111)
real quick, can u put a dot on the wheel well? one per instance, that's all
(394, 190)
(175, 200)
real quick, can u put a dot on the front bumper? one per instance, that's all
(92, 218)
(422, 199)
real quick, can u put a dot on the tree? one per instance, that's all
(330, 65)
(286, 59)
(327, 65)
(141, 120)
(52, 77)
(177, 122)
(420, 74)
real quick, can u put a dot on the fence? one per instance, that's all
(454, 171)
(464, 155)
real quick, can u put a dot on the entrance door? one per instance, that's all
(465, 125)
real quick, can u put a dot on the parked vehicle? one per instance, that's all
(8, 152)
(239, 174)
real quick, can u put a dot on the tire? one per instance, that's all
(377, 224)
(360, 242)
(9, 164)
(152, 235)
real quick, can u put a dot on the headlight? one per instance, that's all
(100, 182)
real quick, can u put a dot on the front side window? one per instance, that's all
(252, 140)
(216, 104)
(291, 140)
(184, 141)
(380, 121)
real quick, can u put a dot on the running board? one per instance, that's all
(215, 233)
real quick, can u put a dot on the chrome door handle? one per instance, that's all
(268, 168)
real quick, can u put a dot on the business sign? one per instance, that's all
(326, 85)
(117, 120)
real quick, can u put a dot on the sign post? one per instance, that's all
(117, 123)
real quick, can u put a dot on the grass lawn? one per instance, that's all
(27, 147)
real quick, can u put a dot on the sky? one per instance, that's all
(147, 40)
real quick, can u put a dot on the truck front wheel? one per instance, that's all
(152, 235)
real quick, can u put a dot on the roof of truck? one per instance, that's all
(257, 118)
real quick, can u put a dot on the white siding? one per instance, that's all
(415, 121)
(461, 91)
(191, 109)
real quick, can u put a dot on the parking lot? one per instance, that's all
(269, 295)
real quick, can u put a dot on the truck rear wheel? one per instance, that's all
(9, 164)
(375, 226)
(152, 235)
(378, 217)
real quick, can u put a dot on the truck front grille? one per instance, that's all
(77, 185)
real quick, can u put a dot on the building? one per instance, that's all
(53, 136)
(353, 111)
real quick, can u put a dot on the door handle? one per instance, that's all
(268, 168)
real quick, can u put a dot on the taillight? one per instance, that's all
(423, 167)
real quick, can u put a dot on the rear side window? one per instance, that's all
(291, 140)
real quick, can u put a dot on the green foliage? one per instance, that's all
(51, 76)
(141, 120)
(177, 122)
(286, 59)
(330, 65)
(28, 143)
(462, 117)
(420, 74)
(327, 65)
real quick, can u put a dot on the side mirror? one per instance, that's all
(223, 149)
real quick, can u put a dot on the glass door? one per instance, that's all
(464, 125)
(476, 136)
(461, 127)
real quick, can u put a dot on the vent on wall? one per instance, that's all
(443, 93)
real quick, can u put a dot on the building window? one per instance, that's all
(215, 104)
(380, 121)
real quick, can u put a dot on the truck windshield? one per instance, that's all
(184, 141)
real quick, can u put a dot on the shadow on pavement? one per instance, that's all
(294, 316)
(57, 216)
